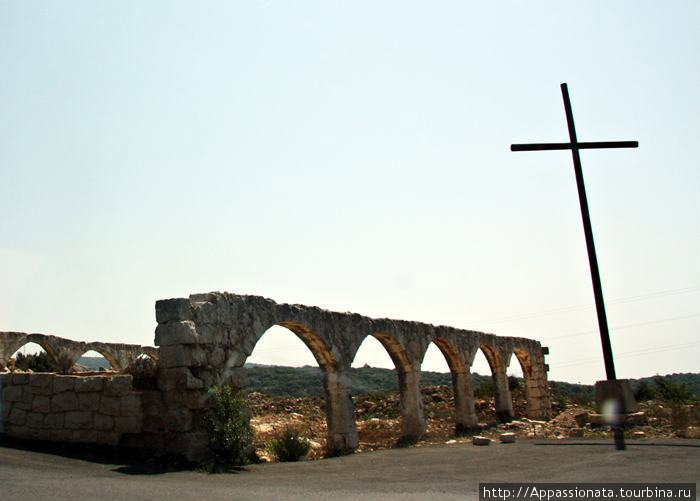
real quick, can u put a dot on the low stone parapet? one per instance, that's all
(64, 408)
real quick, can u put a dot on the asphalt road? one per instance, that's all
(438, 473)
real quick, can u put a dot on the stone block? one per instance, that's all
(18, 417)
(25, 401)
(118, 386)
(180, 378)
(84, 436)
(78, 420)
(12, 393)
(89, 384)
(110, 438)
(213, 334)
(88, 401)
(182, 356)
(54, 421)
(507, 438)
(20, 378)
(35, 420)
(178, 420)
(110, 405)
(127, 424)
(172, 310)
(175, 333)
(66, 401)
(479, 440)
(576, 432)
(64, 383)
(41, 384)
(104, 422)
(619, 391)
(581, 419)
(130, 405)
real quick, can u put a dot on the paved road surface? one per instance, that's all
(436, 473)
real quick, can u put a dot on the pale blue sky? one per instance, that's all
(354, 156)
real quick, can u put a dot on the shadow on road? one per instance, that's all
(128, 462)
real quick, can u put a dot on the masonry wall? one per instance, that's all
(64, 408)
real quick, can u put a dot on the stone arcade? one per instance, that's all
(205, 339)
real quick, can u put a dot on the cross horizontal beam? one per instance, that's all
(571, 146)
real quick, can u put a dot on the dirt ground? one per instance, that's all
(379, 421)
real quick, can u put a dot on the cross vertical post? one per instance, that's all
(574, 145)
(590, 245)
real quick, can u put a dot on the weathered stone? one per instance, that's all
(83, 436)
(41, 384)
(576, 432)
(64, 383)
(78, 420)
(12, 393)
(88, 401)
(178, 420)
(117, 386)
(178, 378)
(20, 378)
(581, 419)
(507, 438)
(35, 420)
(169, 310)
(110, 405)
(479, 440)
(89, 384)
(127, 424)
(130, 405)
(18, 417)
(108, 438)
(182, 356)
(103, 422)
(62, 402)
(176, 333)
(54, 421)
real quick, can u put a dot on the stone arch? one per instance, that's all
(393, 347)
(408, 374)
(42, 341)
(534, 382)
(107, 354)
(318, 347)
(452, 356)
(340, 422)
(464, 412)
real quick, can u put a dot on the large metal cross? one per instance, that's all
(575, 146)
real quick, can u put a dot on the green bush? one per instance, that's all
(289, 445)
(40, 362)
(228, 425)
(644, 392)
(668, 391)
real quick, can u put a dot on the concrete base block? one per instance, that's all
(618, 391)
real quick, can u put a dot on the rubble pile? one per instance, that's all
(379, 420)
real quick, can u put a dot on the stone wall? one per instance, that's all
(53, 407)
(205, 339)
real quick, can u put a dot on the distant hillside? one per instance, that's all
(308, 380)
(94, 363)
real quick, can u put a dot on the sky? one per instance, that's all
(355, 156)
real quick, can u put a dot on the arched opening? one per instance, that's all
(375, 390)
(484, 385)
(517, 384)
(284, 381)
(524, 401)
(439, 364)
(31, 357)
(92, 361)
